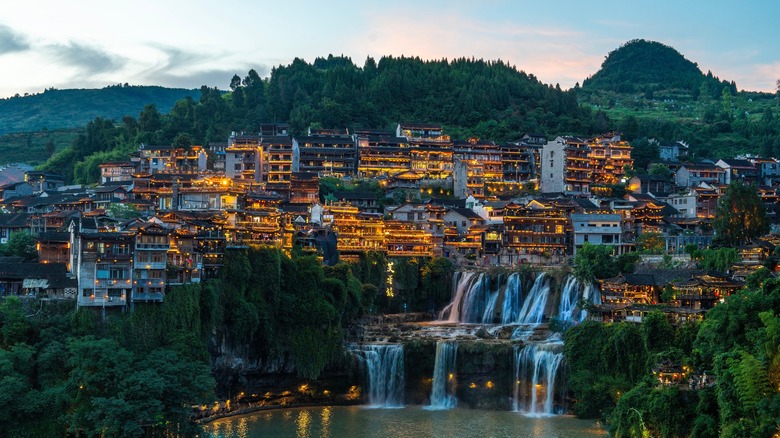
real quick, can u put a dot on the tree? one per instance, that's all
(594, 262)
(740, 216)
(20, 244)
(660, 169)
(50, 148)
(651, 243)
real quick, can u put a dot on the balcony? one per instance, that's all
(102, 301)
(150, 265)
(148, 296)
(160, 246)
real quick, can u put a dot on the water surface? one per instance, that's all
(409, 422)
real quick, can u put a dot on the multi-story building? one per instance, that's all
(537, 228)
(598, 229)
(685, 203)
(116, 171)
(768, 169)
(103, 267)
(673, 152)
(167, 158)
(357, 232)
(277, 159)
(304, 188)
(259, 223)
(609, 156)
(381, 153)
(244, 158)
(326, 153)
(407, 239)
(185, 262)
(520, 161)
(739, 170)
(565, 167)
(691, 175)
(152, 243)
(431, 149)
(475, 162)
(707, 197)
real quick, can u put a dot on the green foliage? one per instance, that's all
(718, 259)
(594, 262)
(279, 305)
(603, 361)
(135, 375)
(651, 243)
(123, 211)
(660, 170)
(626, 262)
(644, 65)
(56, 109)
(20, 244)
(34, 147)
(740, 216)
(737, 346)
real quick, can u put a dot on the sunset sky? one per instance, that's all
(89, 43)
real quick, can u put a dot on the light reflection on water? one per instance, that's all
(409, 422)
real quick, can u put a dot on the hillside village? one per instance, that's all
(168, 216)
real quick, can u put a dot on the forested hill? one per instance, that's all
(641, 65)
(490, 99)
(57, 109)
(648, 89)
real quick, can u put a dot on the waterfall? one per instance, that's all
(573, 292)
(476, 300)
(536, 370)
(461, 283)
(385, 371)
(534, 304)
(444, 379)
(473, 301)
(513, 294)
(570, 296)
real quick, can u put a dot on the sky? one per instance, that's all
(186, 44)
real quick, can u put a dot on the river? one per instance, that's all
(409, 422)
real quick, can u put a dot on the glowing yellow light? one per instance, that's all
(489, 384)
(472, 385)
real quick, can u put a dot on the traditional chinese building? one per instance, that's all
(609, 155)
(381, 153)
(431, 149)
(537, 228)
(326, 153)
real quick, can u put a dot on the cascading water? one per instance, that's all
(452, 310)
(572, 293)
(477, 299)
(473, 301)
(536, 372)
(384, 365)
(513, 295)
(534, 304)
(444, 381)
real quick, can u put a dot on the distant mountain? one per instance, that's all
(641, 66)
(58, 109)
(648, 89)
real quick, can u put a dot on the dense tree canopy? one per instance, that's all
(740, 216)
(737, 346)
